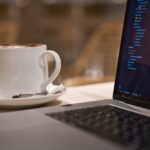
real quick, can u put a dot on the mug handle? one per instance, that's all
(43, 62)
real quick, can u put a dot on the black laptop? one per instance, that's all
(121, 123)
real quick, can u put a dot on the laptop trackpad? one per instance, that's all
(26, 130)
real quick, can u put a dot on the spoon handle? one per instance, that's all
(29, 94)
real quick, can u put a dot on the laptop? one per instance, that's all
(120, 123)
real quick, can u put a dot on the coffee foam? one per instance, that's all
(30, 45)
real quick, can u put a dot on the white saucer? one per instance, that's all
(17, 103)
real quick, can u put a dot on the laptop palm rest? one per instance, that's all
(33, 130)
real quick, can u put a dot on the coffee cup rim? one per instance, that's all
(28, 45)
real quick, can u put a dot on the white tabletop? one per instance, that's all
(92, 92)
(87, 93)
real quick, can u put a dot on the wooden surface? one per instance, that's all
(83, 80)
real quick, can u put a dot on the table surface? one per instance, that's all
(80, 94)
(92, 92)
(86, 93)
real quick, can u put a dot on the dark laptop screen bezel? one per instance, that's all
(116, 95)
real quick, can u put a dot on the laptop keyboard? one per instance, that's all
(118, 125)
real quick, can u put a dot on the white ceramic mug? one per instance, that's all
(24, 69)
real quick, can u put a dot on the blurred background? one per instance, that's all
(85, 33)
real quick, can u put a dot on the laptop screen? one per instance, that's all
(133, 73)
